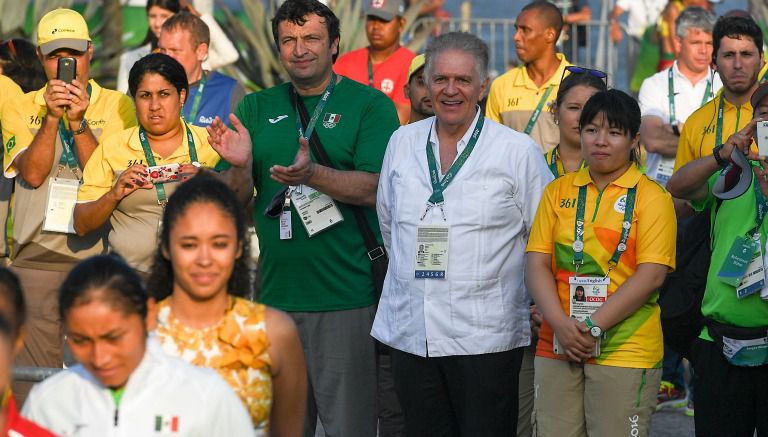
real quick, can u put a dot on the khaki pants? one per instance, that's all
(44, 342)
(525, 416)
(579, 400)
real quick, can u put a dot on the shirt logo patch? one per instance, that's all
(621, 204)
(387, 86)
(276, 119)
(331, 120)
(166, 424)
(10, 144)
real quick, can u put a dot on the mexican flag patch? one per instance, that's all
(331, 120)
(166, 423)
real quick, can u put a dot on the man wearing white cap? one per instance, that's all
(384, 63)
(49, 135)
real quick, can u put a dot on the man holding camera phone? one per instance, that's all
(49, 135)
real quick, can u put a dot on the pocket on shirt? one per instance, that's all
(477, 306)
(486, 202)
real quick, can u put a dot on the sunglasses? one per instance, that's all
(279, 201)
(574, 69)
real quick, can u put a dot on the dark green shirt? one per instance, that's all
(331, 270)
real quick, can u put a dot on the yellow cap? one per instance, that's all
(62, 28)
(416, 63)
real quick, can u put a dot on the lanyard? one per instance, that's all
(704, 99)
(439, 185)
(192, 114)
(553, 163)
(537, 111)
(318, 109)
(370, 69)
(161, 198)
(68, 158)
(626, 225)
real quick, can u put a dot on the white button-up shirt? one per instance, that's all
(482, 305)
(654, 101)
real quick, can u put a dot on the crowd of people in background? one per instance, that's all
(440, 254)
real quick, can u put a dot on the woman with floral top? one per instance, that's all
(199, 278)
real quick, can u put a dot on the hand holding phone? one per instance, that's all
(164, 173)
(66, 70)
(761, 137)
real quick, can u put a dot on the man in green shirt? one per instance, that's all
(319, 271)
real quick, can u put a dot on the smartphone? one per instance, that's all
(762, 138)
(164, 173)
(67, 69)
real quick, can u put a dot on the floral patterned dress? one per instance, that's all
(236, 348)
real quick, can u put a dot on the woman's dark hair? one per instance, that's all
(574, 80)
(169, 5)
(203, 188)
(19, 61)
(619, 108)
(109, 277)
(161, 64)
(736, 27)
(10, 292)
(296, 12)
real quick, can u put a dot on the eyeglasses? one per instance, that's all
(278, 203)
(575, 69)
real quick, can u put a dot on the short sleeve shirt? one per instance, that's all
(389, 76)
(635, 341)
(8, 91)
(354, 129)
(514, 97)
(109, 112)
(134, 222)
(699, 133)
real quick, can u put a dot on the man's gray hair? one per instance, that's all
(694, 17)
(461, 41)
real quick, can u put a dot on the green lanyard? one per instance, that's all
(719, 128)
(161, 198)
(578, 239)
(537, 111)
(192, 114)
(672, 116)
(68, 158)
(318, 110)
(553, 163)
(370, 69)
(439, 185)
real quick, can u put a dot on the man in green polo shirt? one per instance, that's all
(314, 263)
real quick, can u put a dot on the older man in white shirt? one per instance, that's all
(668, 97)
(456, 199)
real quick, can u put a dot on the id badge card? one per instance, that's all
(60, 205)
(318, 211)
(737, 261)
(586, 295)
(754, 277)
(286, 231)
(664, 171)
(431, 258)
(764, 291)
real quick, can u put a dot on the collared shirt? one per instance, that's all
(108, 112)
(8, 90)
(514, 97)
(133, 224)
(482, 305)
(698, 136)
(635, 341)
(654, 101)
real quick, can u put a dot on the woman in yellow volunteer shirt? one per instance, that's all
(574, 91)
(117, 184)
(611, 230)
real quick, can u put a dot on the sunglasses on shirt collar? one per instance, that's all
(575, 69)
(276, 205)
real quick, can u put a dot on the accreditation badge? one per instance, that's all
(318, 211)
(431, 258)
(586, 294)
(754, 277)
(664, 171)
(60, 205)
(740, 257)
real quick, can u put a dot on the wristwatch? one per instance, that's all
(594, 330)
(716, 153)
(82, 128)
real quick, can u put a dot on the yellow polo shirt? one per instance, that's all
(135, 220)
(9, 90)
(698, 136)
(109, 111)
(514, 97)
(636, 341)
